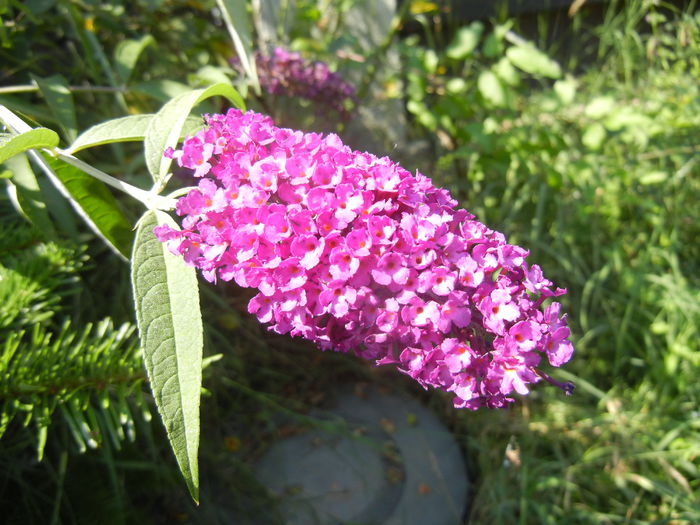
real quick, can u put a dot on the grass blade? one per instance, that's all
(239, 27)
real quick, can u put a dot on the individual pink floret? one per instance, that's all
(308, 248)
(390, 268)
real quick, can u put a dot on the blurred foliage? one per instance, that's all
(598, 184)
(597, 174)
(67, 382)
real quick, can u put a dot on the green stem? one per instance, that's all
(149, 199)
(29, 88)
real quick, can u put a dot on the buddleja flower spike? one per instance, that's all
(354, 253)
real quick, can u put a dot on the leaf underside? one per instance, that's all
(170, 327)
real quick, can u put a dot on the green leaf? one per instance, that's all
(170, 327)
(127, 54)
(628, 117)
(26, 194)
(166, 126)
(506, 72)
(161, 90)
(594, 136)
(565, 90)
(531, 60)
(465, 41)
(61, 212)
(423, 114)
(123, 129)
(430, 61)
(58, 97)
(653, 177)
(456, 86)
(208, 75)
(599, 107)
(492, 89)
(240, 28)
(92, 201)
(11, 145)
(493, 43)
(192, 126)
(493, 47)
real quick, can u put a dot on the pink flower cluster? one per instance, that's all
(285, 73)
(354, 253)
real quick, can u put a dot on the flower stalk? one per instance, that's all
(149, 199)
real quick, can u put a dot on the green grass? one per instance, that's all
(604, 191)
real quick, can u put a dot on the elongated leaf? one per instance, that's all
(208, 75)
(161, 90)
(124, 129)
(26, 194)
(127, 54)
(192, 126)
(593, 136)
(653, 177)
(165, 128)
(491, 88)
(62, 214)
(565, 90)
(465, 41)
(170, 326)
(36, 138)
(271, 19)
(92, 201)
(58, 97)
(531, 60)
(599, 107)
(240, 28)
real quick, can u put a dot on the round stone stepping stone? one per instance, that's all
(387, 461)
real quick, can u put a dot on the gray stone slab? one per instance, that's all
(394, 463)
